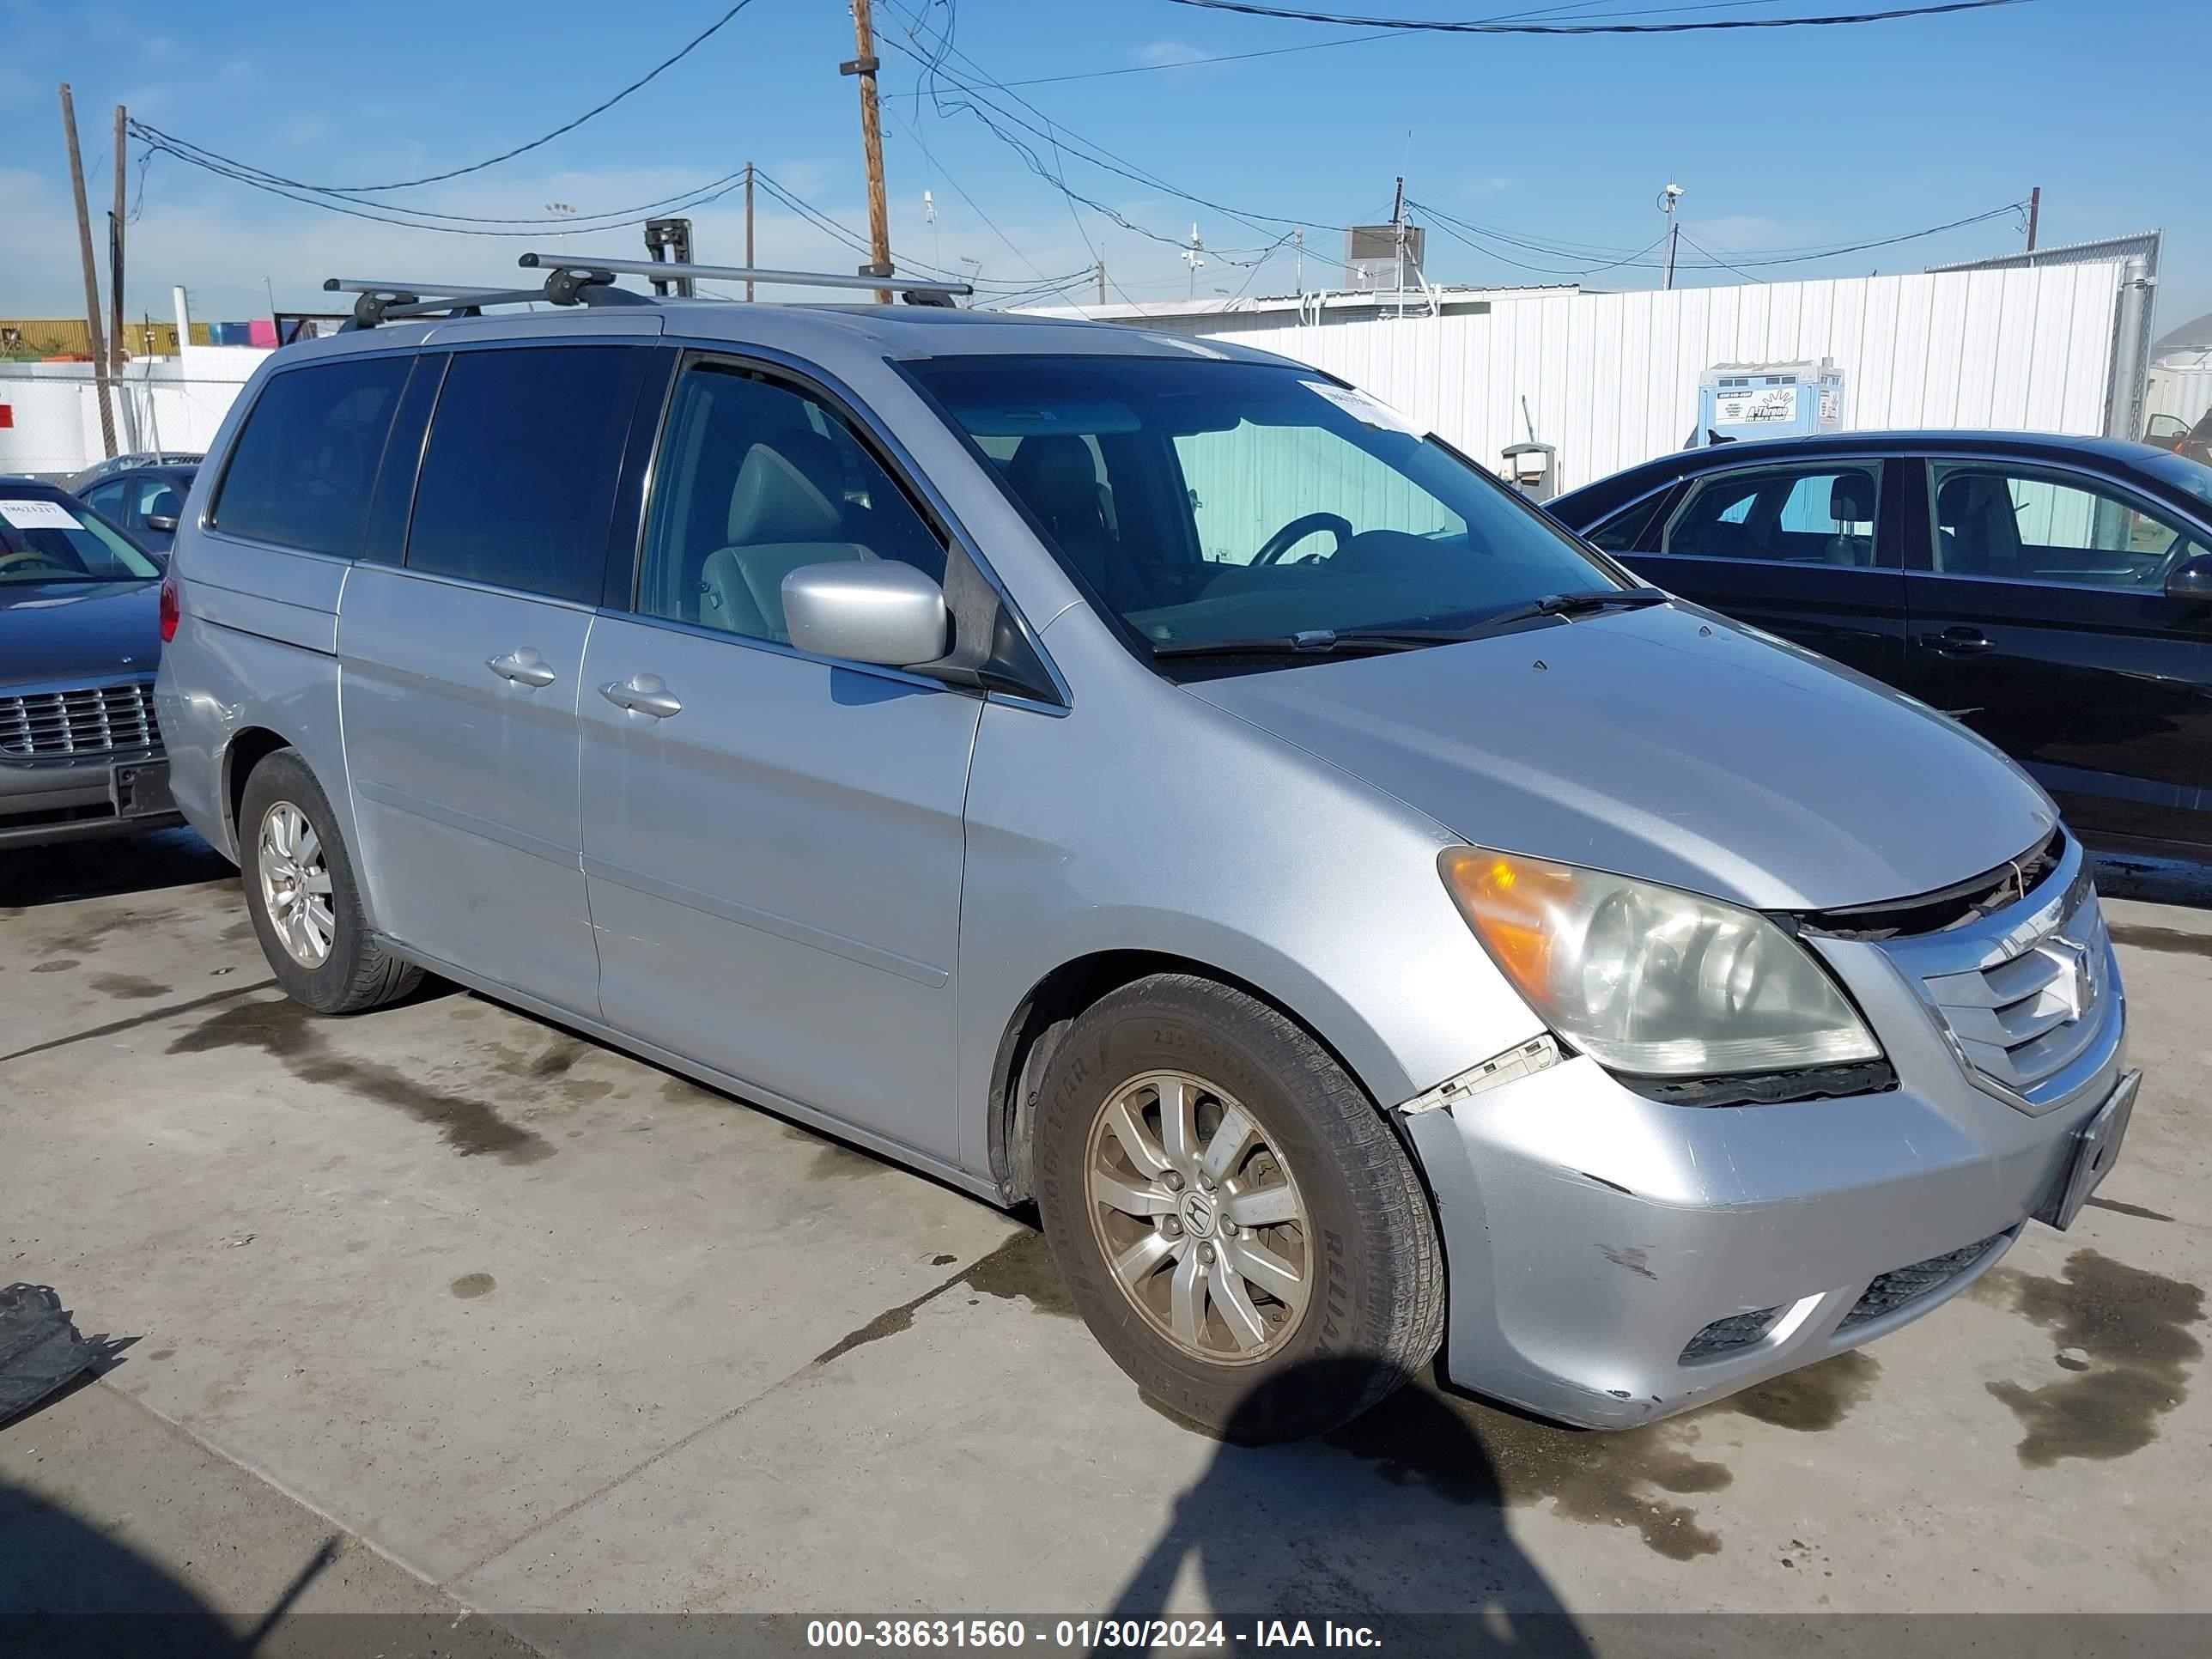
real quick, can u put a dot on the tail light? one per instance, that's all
(172, 612)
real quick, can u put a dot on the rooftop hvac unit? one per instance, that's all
(1371, 256)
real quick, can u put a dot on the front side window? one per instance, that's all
(1207, 502)
(301, 471)
(156, 498)
(755, 479)
(2018, 524)
(1816, 515)
(518, 473)
(46, 539)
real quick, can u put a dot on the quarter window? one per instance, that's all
(2005, 522)
(1797, 516)
(756, 479)
(517, 476)
(300, 472)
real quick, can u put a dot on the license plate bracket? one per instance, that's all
(2096, 1148)
(141, 789)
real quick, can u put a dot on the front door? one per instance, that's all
(2039, 617)
(1806, 550)
(773, 841)
(459, 669)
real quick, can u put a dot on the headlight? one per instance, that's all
(1651, 980)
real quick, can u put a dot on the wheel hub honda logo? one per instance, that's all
(1198, 1213)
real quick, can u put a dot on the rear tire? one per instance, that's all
(305, 897)
(1176, 1107)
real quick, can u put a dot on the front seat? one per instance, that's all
(780, 520)
(1976, 528)
(1850, 500)
(1053, 475)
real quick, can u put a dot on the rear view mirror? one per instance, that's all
(2190, 579)
(872, 611)
(163, 524)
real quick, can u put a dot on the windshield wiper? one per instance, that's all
(1309, 642)
(1583, 603)
(1366, 642)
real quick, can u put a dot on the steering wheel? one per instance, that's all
(1298, 529)
(33, 556)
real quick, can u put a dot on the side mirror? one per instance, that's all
(163, 524)
(874, 610)
(2190, 579)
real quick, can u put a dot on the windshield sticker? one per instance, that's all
(40, 515)
(1367, 410)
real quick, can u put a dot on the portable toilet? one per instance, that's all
(1769, 400)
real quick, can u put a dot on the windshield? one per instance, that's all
(1216, 501)
(2183, 473)
(49, 538)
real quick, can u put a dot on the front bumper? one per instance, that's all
(44, 801)
(1610, 1256)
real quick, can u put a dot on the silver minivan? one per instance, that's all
(1149, 779)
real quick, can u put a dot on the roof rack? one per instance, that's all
(916, 290)
(591, 283)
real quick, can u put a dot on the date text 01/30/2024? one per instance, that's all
(1140, 1634)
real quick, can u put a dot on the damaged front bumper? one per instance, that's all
(1615, 1259)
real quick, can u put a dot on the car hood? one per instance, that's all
(51, 631)
(1666, 744)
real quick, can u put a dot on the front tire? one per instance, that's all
(305, 897)
(1239, 1226)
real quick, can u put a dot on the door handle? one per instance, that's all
(524, 666)
(1958, 641)
(643, 693)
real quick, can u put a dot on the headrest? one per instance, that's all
(1054, 474)
(774, 501)
(1850, 498)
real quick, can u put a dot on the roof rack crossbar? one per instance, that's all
(380, 301)
(667, 269)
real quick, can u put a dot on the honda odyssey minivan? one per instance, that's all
(1147, 778)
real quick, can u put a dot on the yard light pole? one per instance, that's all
(1667, 197)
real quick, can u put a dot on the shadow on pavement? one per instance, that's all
(1274, 1532)
(98, 869)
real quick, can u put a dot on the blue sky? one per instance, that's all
(1783, 139)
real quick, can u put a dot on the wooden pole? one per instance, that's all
(2034, 213)
(115, 350)
(864, 65)
(748, 225)
(91, 273)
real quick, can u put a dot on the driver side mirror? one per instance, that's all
(871, 610)
(164, 524)
(2191, 579)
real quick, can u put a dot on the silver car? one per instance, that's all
(1148, 778)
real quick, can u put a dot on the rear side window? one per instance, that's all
(300, 472)
(1622, 531)
(518, 476)
(1818, 515)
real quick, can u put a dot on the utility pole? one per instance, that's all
(1299, 260)
(1667, 197)
(2034, 213)
(748, 225)
(1101, 274)
(1194, 255)
(115, 280)
(92, 327)
(864, 64)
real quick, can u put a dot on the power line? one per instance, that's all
(1715, 258)
(598, 109)
(1248, 8)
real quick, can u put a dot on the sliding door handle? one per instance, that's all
(524, 666)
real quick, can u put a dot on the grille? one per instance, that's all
(101, 720)
(1895, 1289)
(2020, 1021)
(1726, 1335)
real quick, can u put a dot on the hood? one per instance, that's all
(51, 631)
(1666, 744)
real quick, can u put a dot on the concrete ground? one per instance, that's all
(442, 1308)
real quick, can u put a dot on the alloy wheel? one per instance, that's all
(296, 885)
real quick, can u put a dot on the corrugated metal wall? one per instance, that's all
(1612, 379)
